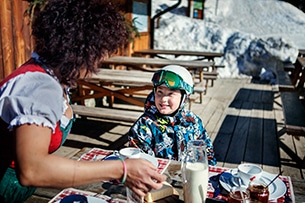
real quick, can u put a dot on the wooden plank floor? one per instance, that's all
(243, 119)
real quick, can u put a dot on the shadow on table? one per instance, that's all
(252, 138)
(249, 138)
(246, 139)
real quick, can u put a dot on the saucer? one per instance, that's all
(276, 189)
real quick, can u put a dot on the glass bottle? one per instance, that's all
(194, 168)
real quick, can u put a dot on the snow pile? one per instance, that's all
(254, 35)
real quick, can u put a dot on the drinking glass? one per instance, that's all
(259, 191)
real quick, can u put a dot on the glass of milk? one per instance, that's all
(194, 168)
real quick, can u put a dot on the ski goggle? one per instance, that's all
(171, 80)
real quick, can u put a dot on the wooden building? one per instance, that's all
(15, 37)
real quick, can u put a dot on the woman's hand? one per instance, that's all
(142, 176)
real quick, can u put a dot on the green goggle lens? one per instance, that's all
(171, 79)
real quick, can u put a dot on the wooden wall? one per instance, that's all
(15, 45)
(143, 41)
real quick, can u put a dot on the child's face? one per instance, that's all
(167, 101)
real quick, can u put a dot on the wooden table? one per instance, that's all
(153, 64)
(172, 169)
(121, 84)
(198, 68)
(211, 74)
(158, 52)
(124, 84)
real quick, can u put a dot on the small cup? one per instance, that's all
(259, 191)
(238, 194)
(130, 152)
(150, 158)
(249, 172)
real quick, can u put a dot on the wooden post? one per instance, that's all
(7, 37)
(15, 43)
(18, 26)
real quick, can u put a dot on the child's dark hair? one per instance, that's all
(70, 35)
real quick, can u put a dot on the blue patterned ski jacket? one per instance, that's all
(167, 136)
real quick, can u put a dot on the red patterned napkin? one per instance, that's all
(98, 154)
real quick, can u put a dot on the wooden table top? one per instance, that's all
(179, 53)
(140, 61)
(138, 78)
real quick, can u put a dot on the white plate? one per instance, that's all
(276, 189)
(91, 200)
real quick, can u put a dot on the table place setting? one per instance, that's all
(247, 181)
(279, 187)
(221, 180)
(112, 191)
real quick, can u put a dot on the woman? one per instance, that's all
(71, 38)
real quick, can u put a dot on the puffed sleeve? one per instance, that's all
(34, 98)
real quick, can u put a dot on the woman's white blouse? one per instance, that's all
(33, 98)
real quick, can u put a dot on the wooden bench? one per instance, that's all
(293, 109)
(199, 89)
(288, 66)
(210, 76)
(291, 104)
(106, 113)
(284, 82)
(297, 74)
(300, 66)
(294, 113)
(292, 76)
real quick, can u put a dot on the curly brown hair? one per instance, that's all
(70, 35)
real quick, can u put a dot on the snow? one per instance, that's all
(253, 35)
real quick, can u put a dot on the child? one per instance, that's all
(166, 126)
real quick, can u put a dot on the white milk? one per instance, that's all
(195, 189)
